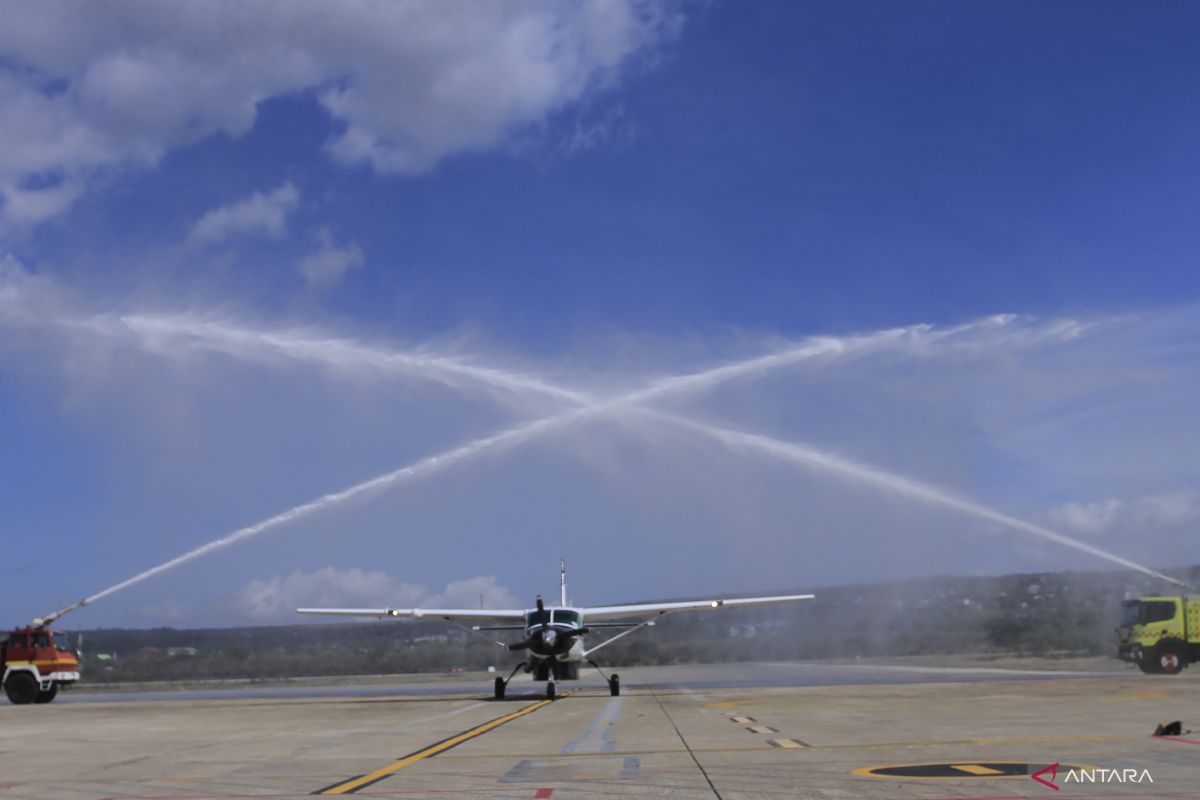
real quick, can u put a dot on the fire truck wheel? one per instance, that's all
(48, 695)
(21, 688)
(1148, 665)
(1169, 659)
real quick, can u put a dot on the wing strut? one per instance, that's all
(474, 631)
(607, 642)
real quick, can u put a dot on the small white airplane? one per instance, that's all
(554, 635)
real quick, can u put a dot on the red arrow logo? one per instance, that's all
(1053, 770)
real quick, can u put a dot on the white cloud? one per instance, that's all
(13, 278)
(264, 214)
(1171, 508)
(469, 593)
(610, 129)
(24, 208)
(27, 299)
(329, 264)
(1086, 517)
(276, 599)
(88, 87)
(1143, 513)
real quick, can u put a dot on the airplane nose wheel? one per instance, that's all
(500, 686)
(550, 690)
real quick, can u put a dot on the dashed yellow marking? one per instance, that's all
(855, 746)
(791, 702)
(787, 744)
(975, 769)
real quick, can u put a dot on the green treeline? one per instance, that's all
(1049, 615)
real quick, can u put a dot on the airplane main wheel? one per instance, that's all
(48, 695)
(21, 688)
(550, 691)
(614, 685)
(500, 688)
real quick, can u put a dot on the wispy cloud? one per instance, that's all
(330, 262)
(23, 207)
(1128, 516)
(261, 214)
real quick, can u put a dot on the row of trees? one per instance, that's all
(1050, 614)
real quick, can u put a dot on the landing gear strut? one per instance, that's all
(502, 683)
(554, 670)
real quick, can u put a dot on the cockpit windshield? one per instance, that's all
(565, 616)
(556, 616)
(536, 617)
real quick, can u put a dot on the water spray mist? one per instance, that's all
(919, 339)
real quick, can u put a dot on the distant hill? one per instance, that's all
(1050, 614)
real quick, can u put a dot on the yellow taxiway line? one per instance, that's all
(354, 784)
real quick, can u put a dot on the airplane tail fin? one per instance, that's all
(562, 580)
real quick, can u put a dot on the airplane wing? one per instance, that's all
(657, 609)
(493, 615)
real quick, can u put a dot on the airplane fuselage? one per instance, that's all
(554, 632)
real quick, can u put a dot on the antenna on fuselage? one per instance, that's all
(562, 580)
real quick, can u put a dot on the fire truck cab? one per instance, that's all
(36, 665)
(1160, 634)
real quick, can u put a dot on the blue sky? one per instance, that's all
(598, 195)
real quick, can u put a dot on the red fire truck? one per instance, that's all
(36, 665)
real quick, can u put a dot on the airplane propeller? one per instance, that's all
(545, 635)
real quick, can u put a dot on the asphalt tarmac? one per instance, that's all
(724, 731)
(726, 676)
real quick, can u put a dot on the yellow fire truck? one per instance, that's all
(1160, 634)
